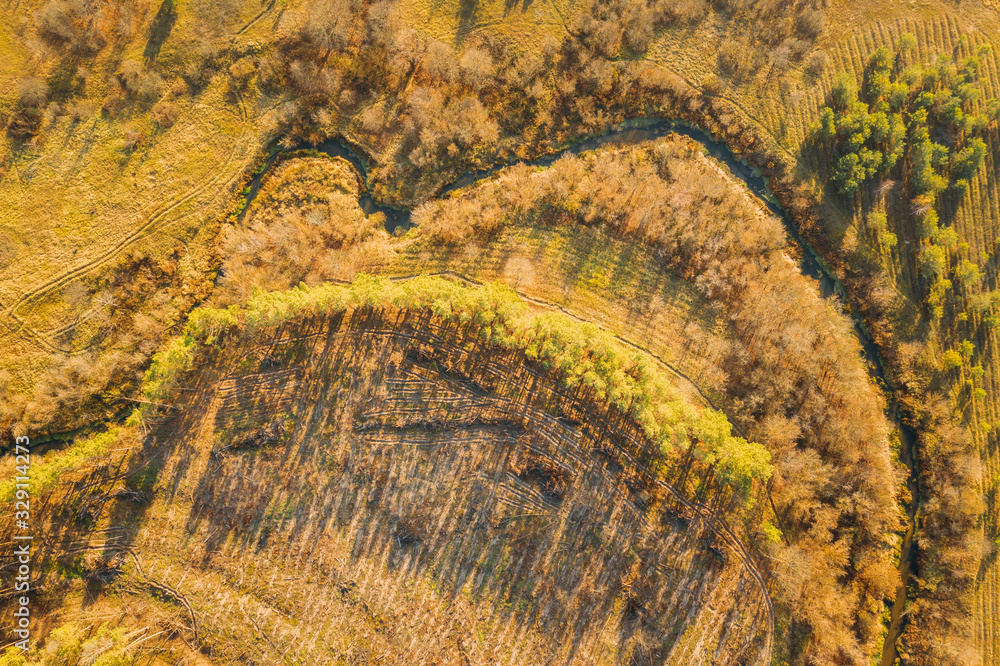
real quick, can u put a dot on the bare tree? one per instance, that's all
(329, 27)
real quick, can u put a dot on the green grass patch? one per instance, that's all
(47, 473)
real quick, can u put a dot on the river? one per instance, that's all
(645, 129)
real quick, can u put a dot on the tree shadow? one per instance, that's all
(160, 29)
(468, 10)
(422, 446)
(510, 5)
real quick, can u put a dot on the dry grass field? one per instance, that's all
(527, 23)
(102, 191)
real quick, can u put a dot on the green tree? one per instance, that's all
(928, 224)
(877, 222)
(896, 143)
(897, 95)
(976, 123)
(912, 76)
(827, 128)
(845, 90)
(871, 161)
(849, 174)
(881, 60)
(925, 101)
(924, 154)
(939, 155)
(771, 533)
(855, 125)
(906, 43)
(877, 86)
(969, 159)
(967, 92)
(740, 462)
(932, 261)
(948, 109)
(887, 240)
(880, 127)
(967, 274)
(935, 297)
(946, 237)
(712, 430)
(993, 109)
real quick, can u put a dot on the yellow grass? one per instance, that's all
(77, 203)
(526, 22)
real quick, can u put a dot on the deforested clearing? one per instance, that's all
(358, 480)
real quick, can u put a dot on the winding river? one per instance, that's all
(645, 129)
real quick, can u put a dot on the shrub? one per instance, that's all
(811, 23)
(69, 24)
(133, 137)
(81, 110)
(845, 90)
(32, 92)
(150, 86)
(113, 104)
(816, 64)
(165, 113)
